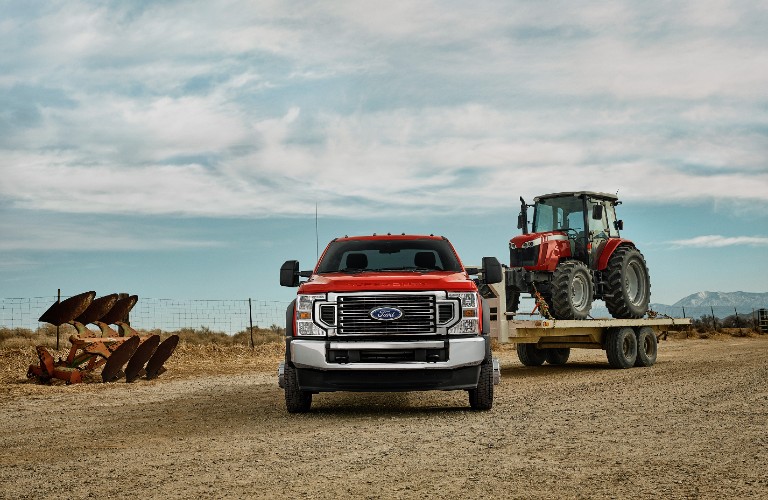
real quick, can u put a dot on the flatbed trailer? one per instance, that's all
(627, 342)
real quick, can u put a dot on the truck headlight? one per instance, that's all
(470, 313)
(305, 325)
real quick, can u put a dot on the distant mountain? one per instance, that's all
(721, 299)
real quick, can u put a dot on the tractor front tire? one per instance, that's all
(647, 347)
(621, 347)
(572, 290)
(628, 286)
(530, 355)
(296, 400)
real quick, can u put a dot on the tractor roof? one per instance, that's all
(590, 194)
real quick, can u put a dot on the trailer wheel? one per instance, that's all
(557, 356)
(628, 286)
(572, 290)
(647, 347)
(296, 400)
(530, 355)
(481, 398)
(621, 347)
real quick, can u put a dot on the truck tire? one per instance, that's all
(296, 400)
(558, 356)
(647, 347)
(627, 284)
(572, 290)
(481, 398)
(530, 355)
(621, 347)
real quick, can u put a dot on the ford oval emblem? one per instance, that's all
(386, 313)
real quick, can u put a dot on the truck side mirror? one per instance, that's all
(597, 212)
(491, 270)
(289, 273)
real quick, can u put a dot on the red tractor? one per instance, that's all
(574, 254)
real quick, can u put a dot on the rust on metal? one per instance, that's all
(110, 351)
(155, 366)
(120, 310)
(113, 368)
(67, 310)
(98, 308)
(140, 357)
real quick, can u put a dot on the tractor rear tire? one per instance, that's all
(647, 347)
(530, 355)
(628, 286)
(481, 398)
(296, 400)
(558, 356)
(621, 347)
(572, 290)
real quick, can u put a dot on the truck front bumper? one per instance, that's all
(333, 365)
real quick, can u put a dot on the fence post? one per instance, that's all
(714, 321)
(250, 317)
(738, 323)
(58, 300)
(683, 312)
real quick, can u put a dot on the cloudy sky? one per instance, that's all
(179, 148)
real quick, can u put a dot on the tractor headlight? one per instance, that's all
(470, 313)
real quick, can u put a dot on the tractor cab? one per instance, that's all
(574, 254)
(585, 220)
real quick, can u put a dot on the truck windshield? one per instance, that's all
(418, 255)
(558, 214)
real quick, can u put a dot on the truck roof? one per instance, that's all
(591, 194)
(390, 236)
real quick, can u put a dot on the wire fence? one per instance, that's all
(228, 316)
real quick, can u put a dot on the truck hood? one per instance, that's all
(388, 282)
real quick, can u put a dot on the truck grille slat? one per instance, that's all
(419, 314)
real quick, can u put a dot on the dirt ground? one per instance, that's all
(693, 426)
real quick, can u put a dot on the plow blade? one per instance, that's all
(120, 310)
(135, 368)
(155, 366)
(113, 369)
(67, 310)
(98, 308)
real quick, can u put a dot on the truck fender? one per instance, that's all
(486, 328)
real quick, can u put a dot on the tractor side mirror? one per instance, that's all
(491, 270)
(597, 212)
(619, 224)
(289, 273)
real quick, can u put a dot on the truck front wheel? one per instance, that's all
(481, 398)
(296, 400)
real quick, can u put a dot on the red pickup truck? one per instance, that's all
(388, 313)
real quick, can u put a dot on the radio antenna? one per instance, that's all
(317, 236)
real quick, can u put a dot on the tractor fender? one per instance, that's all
(608, 250)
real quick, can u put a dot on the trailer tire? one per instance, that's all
(481, 398)
(557, 356)
(530, 355)
(621, 347)
(627, 284)
(572, 290)
(296, 400)
(647, 347)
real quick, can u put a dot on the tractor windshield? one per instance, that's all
(559, 214)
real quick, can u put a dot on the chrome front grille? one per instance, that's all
(419, 314)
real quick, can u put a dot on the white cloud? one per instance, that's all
(717, 241)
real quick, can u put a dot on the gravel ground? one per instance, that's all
(693, 426)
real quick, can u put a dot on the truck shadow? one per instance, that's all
(550, 370)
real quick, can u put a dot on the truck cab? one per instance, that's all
(388, 313)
